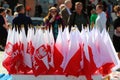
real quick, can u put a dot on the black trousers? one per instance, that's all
(3, 36)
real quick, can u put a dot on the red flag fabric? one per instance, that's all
(14, 58)
(58, 58)
(73, 67)
(75, 53)
(27, 65)
(40, 64)
(24, 67)
(58, 54)
(30, 48)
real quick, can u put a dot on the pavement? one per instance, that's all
(2, 69)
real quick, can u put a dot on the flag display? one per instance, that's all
(74, 53)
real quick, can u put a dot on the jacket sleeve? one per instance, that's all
(2, 21)
(65, 16)
(30, 20)
(71, 21)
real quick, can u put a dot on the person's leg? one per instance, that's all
(119, 55)
(119, 59)
(1, 47)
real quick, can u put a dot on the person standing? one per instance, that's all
(78, 17)
(116, 36)
(109, 11)
(101, 19)
(21, 19)
(93, 18)
(9, 16)
(65, 12)
(5, 5)
(62, 6)
(3, 29)
(38, 10)
(90, 6)
(54, 20)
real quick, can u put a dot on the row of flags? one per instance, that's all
(74, 53)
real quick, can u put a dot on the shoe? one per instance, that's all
(118, 70)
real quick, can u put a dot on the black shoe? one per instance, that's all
(118, 70)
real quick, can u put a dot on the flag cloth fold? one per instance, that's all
(75, 53)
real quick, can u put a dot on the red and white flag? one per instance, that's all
(27, 65)
(73, 59)
(50, 47)
(107, 54)
(58, 54)
(14, 58)
(40, 57)
(65, 45)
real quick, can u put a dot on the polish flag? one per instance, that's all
(107, 54)
(26, 66)
(50, 47)
(40, 56)
(58, 54)
(73, 59)
(14, 58)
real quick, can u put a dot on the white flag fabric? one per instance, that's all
(73, 47)
(66, 45)
(75, 53)
(51, 44)
(27, 56)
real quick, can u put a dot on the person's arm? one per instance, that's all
(92, 21)
(61, 23)
(2, 21)
(63, 13)
(13, 23)
(103, 20)
(47, 22)
(87, 19)
(64, 16)
(6, 24)
(30, 20)
(118, 29)
(71, 21)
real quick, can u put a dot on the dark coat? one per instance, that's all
(73, 18)
(55, 25)
(3, 32)
(22, 19)
(65, 16)
(116, 39)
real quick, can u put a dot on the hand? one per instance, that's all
(6, 27)
(52, 19)
(118, 29)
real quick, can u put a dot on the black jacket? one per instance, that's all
(22, 19)
(73, 19)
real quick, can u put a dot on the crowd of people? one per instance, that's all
(8, 21)
(98, 16)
